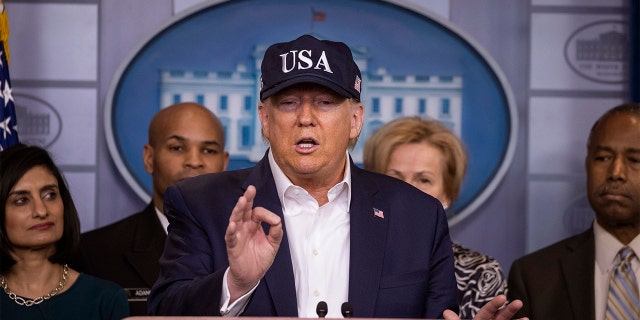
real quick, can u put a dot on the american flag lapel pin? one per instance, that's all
(378, 213)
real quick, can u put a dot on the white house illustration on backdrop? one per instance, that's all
(232, 96)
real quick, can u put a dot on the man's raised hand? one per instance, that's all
(250, 251)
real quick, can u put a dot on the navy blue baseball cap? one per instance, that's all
(308, 59)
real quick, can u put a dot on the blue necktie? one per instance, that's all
(623, 302)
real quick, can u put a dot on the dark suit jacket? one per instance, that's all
(126, 252)
(400, 266)
(556, 282)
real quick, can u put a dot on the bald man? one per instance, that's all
(185, 140)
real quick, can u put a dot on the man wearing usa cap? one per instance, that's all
(305, 224)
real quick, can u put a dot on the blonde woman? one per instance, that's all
(429, 156)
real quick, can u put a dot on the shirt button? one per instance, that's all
(316, 293)
(315, 252)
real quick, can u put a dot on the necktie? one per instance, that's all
(623, 302)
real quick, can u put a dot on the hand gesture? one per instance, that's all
(250, 251)
(493, 310)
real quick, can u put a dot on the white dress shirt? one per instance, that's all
(607, 247)
(318, 243)
(163, 219)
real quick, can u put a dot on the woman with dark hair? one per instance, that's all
(39, 233)
(429, 156)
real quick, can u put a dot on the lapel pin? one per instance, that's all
(378, 213)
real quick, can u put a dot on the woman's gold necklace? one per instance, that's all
(29, 302)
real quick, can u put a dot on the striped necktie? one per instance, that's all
(623, 302)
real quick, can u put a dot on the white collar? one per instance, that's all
(283, 183)
(607, 247)
(163, 219)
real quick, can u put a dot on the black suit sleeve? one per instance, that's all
(189, 283)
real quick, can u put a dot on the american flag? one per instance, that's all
(378, 213)
(318, 15)
(8, 123)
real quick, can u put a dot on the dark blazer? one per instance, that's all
(126, 252)
(400, 265)
(556, 282)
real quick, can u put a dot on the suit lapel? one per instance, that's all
(148, 244)
(367, 243)
(368, 240)
(279, 278)
(578, 271)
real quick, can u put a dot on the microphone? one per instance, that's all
(347, 310)
(321, 309)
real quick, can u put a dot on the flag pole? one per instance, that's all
(4, 29)
(313, 13)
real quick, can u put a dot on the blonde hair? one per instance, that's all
(401, 131)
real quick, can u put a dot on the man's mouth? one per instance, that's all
(306, 145)
(613, 194)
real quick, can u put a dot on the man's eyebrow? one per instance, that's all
(602, 148)
(633, 150)
(183, 139)
(610, 149)
(212, 142)
(176, 137)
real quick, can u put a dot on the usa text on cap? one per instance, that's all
(307, 59)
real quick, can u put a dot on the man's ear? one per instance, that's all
(357, 120)
(147, 158)
(226, 160)
(264, 119)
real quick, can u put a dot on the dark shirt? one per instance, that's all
(125, 252)
(88, 298)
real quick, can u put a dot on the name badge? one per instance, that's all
(137, 294)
